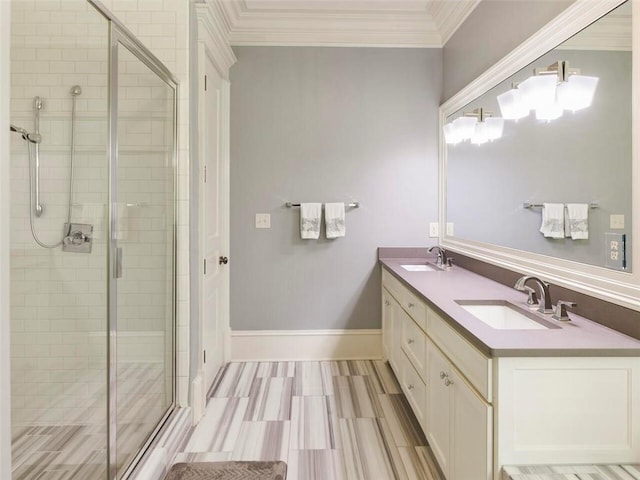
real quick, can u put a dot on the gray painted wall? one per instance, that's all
(327, 124)
(579, 158)
(491, 31)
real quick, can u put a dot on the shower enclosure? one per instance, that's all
(93, 169)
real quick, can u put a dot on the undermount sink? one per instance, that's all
(420, 267)
(502, 315)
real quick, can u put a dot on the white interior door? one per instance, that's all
(214, 208)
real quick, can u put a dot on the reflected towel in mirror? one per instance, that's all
(552, 220)
(577, 221)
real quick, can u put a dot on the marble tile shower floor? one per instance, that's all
(344, 420)
(77, 451)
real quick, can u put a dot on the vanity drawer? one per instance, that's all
(414, 344)
(393, 285)
(416, 308)
(415, 389)
(473, 364)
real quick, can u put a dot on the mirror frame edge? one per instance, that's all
(622, 288)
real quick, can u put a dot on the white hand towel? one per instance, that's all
(334, 218)
(577, 221)
(310, 215)
(552, 220)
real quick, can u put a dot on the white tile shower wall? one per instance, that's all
(59, 299)
(56, 324)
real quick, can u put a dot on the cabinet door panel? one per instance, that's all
(438, 407)
(470, 433)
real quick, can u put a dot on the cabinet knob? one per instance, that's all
(386, 303)
(411, 305)
(223, 260)
(448, 382)
(410, 341)
(443, 375)
(410, 387)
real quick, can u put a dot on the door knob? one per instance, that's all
(223, 260)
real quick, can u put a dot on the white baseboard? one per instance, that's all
(290, 345)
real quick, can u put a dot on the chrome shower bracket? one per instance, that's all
(78, 238)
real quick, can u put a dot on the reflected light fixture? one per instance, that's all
(478, 126)
(512, 105)
(549, 92)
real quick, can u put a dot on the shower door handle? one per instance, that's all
(117, 267)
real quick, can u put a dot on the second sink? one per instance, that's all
(502, 315)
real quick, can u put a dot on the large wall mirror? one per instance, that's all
(573, 154)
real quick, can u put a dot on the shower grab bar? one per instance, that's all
(348, 205)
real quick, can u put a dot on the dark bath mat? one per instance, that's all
(228, 471)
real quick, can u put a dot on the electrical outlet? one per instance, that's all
(616, 250)
(263, 220)
(616, 222)
(434, 229)
(450, 229)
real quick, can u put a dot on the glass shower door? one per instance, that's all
(142, 250)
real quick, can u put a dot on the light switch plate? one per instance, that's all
(433, 229)
(616, 222)
(263, 220)
(450, 229)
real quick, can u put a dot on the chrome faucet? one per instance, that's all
(545, 305)
(441, 256)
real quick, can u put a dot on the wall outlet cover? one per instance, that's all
(263, 220)
(616, 251)
(434, 229)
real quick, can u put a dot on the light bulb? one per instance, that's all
(451, 134)
(549, 112)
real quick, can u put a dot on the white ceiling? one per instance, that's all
(392, 23)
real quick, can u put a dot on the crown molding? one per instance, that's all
(414, 23)
(213, 31)
(448, 16)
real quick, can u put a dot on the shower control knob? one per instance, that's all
(223, 260)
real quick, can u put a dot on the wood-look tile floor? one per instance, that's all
(345, 420)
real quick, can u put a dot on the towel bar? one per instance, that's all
(540, 205)
(348, 205)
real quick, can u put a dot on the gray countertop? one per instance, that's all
(441, 289)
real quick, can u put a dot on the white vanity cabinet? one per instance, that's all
(480, 413)
(458, 422)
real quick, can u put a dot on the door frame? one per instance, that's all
(211, 43)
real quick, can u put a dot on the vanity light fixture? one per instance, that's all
(549, 92)
(478, 126)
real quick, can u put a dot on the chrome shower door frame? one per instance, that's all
(120, 36)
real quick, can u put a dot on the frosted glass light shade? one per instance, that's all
(512, 105)
(479, 134)
(494, 127)
(539, 91)
(549, 112)
(464, 126)
(577, 92)
(451, 135)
